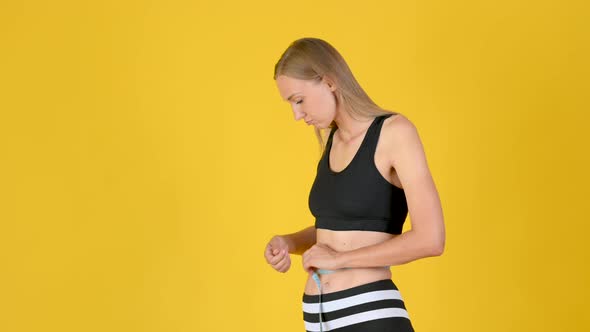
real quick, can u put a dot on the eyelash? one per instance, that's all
(299, 102)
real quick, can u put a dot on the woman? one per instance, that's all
(372, 172)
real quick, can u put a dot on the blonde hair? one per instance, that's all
(312, 59)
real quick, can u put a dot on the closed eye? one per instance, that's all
(299, 102)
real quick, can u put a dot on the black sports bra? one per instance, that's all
(358, 197)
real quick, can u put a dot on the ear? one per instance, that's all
(330, 82)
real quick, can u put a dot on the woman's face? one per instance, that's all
(312, 101)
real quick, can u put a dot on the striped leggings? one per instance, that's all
(372, 307)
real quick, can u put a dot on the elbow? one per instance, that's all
(437, 242)
(437, 247)
(432, 244)
(437, 250)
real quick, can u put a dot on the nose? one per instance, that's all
(298, 115)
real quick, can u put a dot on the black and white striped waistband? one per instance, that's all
(374, 300)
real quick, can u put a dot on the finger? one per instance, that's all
(280, 262)
(274, 260)
(269, 255)
(268, 252)
(305, 267)
(306, 256)
(286, 267)
(282, 265)
(308, 271)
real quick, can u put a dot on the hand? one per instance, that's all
(277, 255)
(321, 256)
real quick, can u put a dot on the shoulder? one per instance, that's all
(399, 128)
(402, 135)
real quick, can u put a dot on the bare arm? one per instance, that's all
(300, 241)
(407, 247)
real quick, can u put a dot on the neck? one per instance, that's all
(349, 128)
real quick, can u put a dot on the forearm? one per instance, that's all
(401, 249)
(300, 241)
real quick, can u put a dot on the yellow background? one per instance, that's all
(147, 157)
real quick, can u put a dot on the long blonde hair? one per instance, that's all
(312, 59)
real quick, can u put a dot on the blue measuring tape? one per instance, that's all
(316, 278)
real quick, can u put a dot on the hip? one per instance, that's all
(373, 306)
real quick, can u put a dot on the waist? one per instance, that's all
(343, 241)
(326, 271)
(324, 280)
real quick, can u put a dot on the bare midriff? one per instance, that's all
(342, 279)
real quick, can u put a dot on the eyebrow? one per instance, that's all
(291, 96)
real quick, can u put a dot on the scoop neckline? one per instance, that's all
(363, 142)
